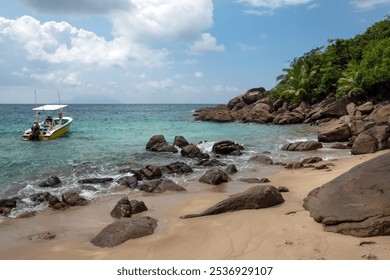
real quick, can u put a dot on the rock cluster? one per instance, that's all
(339, 120)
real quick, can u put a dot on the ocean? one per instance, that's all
(104, 137)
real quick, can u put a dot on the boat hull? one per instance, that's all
(52, 134)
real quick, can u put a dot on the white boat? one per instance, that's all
(51, 127)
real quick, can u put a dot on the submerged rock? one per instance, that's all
(96, 180)
(227, 147)
(51, 182)
(157, 143)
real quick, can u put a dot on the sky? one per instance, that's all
(163, 51)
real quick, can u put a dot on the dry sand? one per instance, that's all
(284, 232)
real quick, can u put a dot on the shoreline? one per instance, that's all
(284, 232)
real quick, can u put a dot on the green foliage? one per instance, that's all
(351, 80)
(360, 65)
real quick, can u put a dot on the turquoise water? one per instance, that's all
(105, 136)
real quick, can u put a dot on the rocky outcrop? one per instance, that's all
(227, 147)
(214, 176)
(254, 198)
(357, 202)
(302, 146)
(124, 229)
(338, 120)
(218, 114)
(157, 143)
(51, 182)
(333, 131)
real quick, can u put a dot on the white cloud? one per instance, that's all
(369, 4)
(156, 85)
(163, 20)
(313, 6)
(77, 6)
(198, 74)
(221, 88)
(247, 48)
(207, 43)
(259, 13)
(273, 4)
(59, 42)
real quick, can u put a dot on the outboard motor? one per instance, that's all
(35, 131)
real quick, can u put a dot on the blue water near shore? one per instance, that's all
(103, 137)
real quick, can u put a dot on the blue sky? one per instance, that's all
(163, 51)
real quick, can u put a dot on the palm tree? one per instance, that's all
(296, 80)
(351, 81)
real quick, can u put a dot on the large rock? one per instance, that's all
(160, 185)
(51, 182)
(180, 141)
(302, 146)
(372, 140)
(218, 114)
(254, 198)
(73, 199)
(128, 181)
(253, 95)
(380, 113)
(261, 159)
(157, 143)
(333, 131)
(177, 167)
(150, 172)
(7, 204)
(365, 108)
(336, 109)
(122, 230)
(137, 206)
(357, 202)
(286, 117)
(122, 209)
(192, 151)
(227, 147)
(214, 176)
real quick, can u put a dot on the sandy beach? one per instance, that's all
(283, 232)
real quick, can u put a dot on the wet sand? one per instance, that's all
(283, 232)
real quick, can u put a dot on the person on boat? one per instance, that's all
(35, 131)
(49, 121)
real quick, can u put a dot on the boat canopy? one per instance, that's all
(49, 107)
